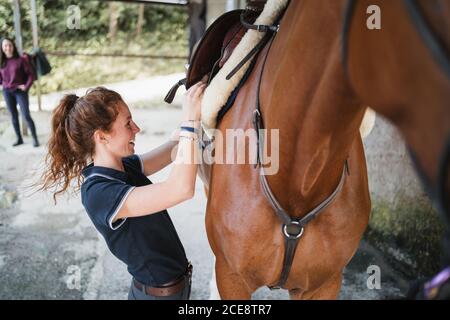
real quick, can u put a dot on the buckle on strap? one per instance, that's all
(256, 117)
(257, 126)
(266, 28)
(293, 230)
(262, 28)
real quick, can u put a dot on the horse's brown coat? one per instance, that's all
(306, 95)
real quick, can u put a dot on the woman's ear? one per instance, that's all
(100, 137)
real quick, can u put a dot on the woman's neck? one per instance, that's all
(108, 161)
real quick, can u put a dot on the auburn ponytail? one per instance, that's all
(71, 144)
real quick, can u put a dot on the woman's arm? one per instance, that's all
(158, 158)
(160, 196)
(180, 184)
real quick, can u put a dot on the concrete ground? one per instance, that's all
(50, 251)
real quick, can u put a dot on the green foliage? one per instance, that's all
(166, 22)
(164, 32)
(410, 234)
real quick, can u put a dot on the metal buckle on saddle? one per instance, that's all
(256, 119)
(267, 28)
(257, 27)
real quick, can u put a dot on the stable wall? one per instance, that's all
(403, 223)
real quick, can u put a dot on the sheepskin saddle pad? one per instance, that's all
(223, 47)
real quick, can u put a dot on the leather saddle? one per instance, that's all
(213, 50)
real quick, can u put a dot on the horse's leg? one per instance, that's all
(231, 285)
(328, 291)
(213, 291)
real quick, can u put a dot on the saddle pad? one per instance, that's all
(218, 91)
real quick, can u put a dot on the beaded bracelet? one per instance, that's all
(187, 134)
(190, 138)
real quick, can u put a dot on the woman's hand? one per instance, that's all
(192, 101)
(22, 87)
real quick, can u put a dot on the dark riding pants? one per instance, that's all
(12, 98)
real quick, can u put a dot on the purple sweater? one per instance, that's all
(15, 72)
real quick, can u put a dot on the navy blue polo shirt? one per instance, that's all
(148, 245)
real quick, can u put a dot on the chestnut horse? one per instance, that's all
(317, 102)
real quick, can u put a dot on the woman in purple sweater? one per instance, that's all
(16, 79)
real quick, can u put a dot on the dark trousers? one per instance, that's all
(184, 294)
(12, 97)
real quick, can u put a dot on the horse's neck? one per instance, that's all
(305, 95)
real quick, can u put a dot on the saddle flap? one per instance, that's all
(207, 52)
(232, 39)
(213, 50)
(209, 49)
